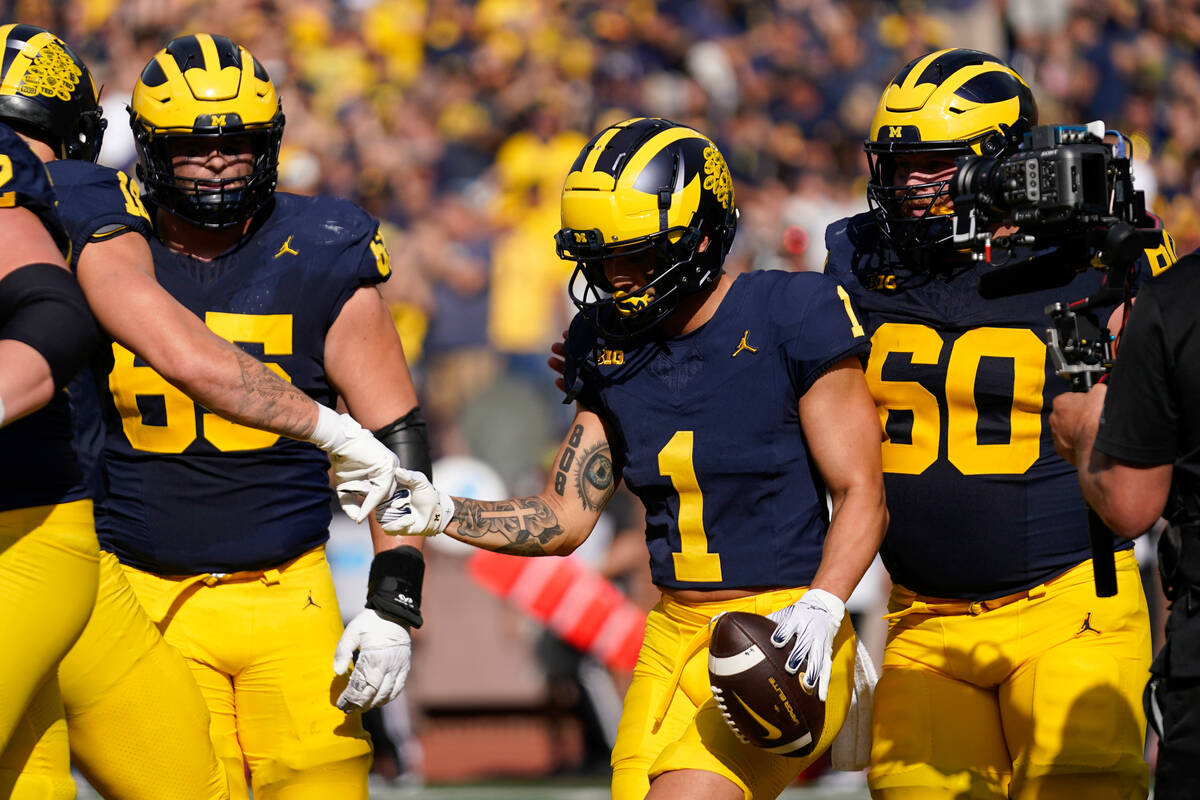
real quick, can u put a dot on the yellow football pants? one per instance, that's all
(47, 587)
(139, 728)
(260, 645)
(693, 734)
(1029, 696)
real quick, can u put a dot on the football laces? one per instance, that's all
(720, 698)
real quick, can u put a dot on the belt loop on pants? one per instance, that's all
(270, 576)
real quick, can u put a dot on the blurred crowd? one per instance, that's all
(455, 123)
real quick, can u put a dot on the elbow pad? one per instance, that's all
(43, 306)
(408, 439)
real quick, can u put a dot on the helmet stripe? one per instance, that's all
(627, 140)
(186, 52)
(208, 49)
(597, 149)
(951, 61)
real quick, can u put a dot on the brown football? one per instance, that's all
(763, 703)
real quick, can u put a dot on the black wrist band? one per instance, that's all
(394, 585)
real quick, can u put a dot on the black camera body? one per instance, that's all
(1069, 194)
(1063, 179)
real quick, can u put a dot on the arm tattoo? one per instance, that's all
(568, 457)
(266, 400)
(526, 523)
(594, 478)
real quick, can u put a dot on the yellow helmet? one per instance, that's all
(47, 91)
(645, 184)
(954, 102)
(203, 86)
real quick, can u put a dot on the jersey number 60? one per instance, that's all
(1028, 356)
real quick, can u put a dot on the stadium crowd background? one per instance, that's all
(455, 122)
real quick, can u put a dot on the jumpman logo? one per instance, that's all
(311, 602)
(744, 345)
(287, 249)
(1087, 625)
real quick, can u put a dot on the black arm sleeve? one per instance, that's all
(408, 439)
(43, 306)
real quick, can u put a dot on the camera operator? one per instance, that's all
(1137, 445)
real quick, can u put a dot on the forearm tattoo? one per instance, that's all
(267, 401)
(591, 472)
(526, 523)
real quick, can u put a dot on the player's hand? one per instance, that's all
(558, 361)
(813, 620)
(363, 468)
(384, 655)
(1075, 420)
(417, 508)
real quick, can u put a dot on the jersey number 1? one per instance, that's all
(693, 562)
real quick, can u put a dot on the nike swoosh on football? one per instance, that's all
(772, 731)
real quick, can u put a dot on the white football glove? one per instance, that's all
(814, 620)
(418, 508)
(384, 655)
(362, 466)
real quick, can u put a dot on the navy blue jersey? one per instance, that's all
(980, 504)
(189, 492)
(95, 203)
(46, 472)
(705, 430)
(25, 184)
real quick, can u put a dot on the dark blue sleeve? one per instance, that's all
(819, 326)
(364, 260)
(25, 184)
(97, 203)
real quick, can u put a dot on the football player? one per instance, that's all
(728, 406)
(48, 546)
(154, 330)
(120, 675)
(1004, 674)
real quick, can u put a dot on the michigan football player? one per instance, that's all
(48, 546)
(1002, 665)
(727, 406)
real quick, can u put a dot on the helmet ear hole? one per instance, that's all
(993, 145)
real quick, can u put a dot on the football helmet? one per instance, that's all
(950, 102)
(47, 92)
(645, 185)
(209, 88)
